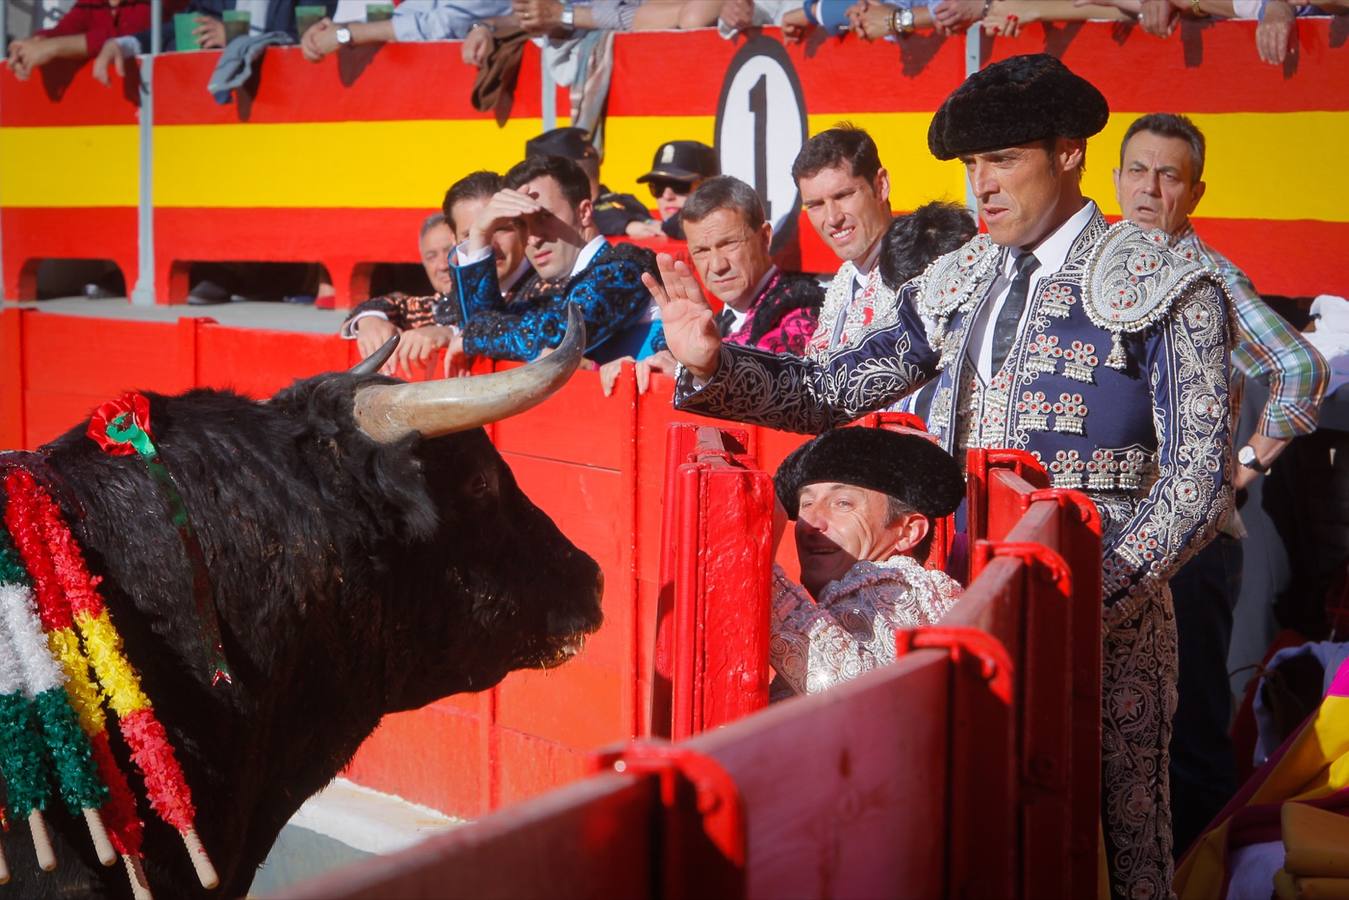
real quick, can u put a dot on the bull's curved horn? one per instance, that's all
(375, 361)
(387, 412)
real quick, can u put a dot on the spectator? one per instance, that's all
(1159, 184)
(874, 18)
(913, 241)
(736, 16)
(764, 307)
(864, 501)
(556, 19)
(677, 169)
(1275, 36)
(415, 20)
(911, 244)
(552, 196)
(265, 17)
(846, 195)
(427, 323)
(615, 214)
(81, 34)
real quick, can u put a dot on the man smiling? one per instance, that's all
(864, 501)
(1094, 348)
(846, 195)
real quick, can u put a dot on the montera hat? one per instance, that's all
(1016, 101)
(909, 467)
(568, 143)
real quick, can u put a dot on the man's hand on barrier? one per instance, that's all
(25, 56)
(372, 332)
(210, 32)
(109, 57)
(419, 345)
(951, 16)
(1158, 17)
(737, 15)
(319, 40)
(648, 229)
(662, 362)
(478, 46)
(539, 17)
(610, 371)
(1274, 36)
(689, 328)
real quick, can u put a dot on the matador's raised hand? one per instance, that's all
(685, 316)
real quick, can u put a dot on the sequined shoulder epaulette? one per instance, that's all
(949, 282)
(1132, 280)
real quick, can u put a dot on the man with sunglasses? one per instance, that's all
(678, 168)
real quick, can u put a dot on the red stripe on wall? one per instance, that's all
(387, 82)
(1207, 67)
(655, 75)
(1299, 258)
(63, 94)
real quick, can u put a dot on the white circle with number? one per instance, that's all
(761, 126)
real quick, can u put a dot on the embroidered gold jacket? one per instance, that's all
(1118, 385)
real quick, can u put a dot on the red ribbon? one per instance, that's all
(133, 403)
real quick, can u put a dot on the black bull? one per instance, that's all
(353, 576)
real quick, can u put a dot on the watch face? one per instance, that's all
(1246, 455)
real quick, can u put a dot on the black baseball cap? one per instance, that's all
(683, 161)
(569, 143)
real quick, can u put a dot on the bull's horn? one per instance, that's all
(387, 412)
(375, 361)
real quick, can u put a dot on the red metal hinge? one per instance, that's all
(1049, 562)
(1064, 497)
(717, 805)
(994, 660)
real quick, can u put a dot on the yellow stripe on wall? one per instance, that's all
(1259, 165)
(92, 165)
(328, 164)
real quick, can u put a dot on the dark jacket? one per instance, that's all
(609, 293)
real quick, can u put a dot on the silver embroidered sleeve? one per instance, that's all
(1188, 367)
(810, 396)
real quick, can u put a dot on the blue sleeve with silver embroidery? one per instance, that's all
(809, 396)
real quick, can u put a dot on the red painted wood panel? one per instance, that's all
(13, 377)
(63, 93)
(258, 363)
(1209, 67)
(370, 83)
(582, 704)
(32, 234)
(79, 354)
(530, 765)
(589, 432)
(430, 756)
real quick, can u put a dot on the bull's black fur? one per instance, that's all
(352, 580)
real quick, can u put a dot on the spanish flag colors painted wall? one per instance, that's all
(337, 162)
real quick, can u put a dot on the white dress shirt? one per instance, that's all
(1052, 253)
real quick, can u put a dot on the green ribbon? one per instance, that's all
(124, 430)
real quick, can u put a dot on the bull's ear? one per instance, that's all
(375, 361)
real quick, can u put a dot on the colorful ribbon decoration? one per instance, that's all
(122, 428)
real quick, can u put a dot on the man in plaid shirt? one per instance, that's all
(1159, 184)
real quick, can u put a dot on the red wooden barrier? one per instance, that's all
(951, 773)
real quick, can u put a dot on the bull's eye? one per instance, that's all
(479, 487)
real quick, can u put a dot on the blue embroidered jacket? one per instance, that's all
(612, 299)
(1118, 384)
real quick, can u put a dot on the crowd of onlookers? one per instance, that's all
(111, 31)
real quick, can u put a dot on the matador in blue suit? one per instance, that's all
(1094, 348)
(576, 265)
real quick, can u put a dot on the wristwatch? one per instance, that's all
(901, 21)
(343, 35)
(1246, 456)
(568, 17)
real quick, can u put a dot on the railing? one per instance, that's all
(968, 768)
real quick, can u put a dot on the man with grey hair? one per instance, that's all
(728, 238)
(1159, 184)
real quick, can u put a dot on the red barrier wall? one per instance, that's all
(337, 162)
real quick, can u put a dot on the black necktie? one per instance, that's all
(724, 320)
(1005, 328)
